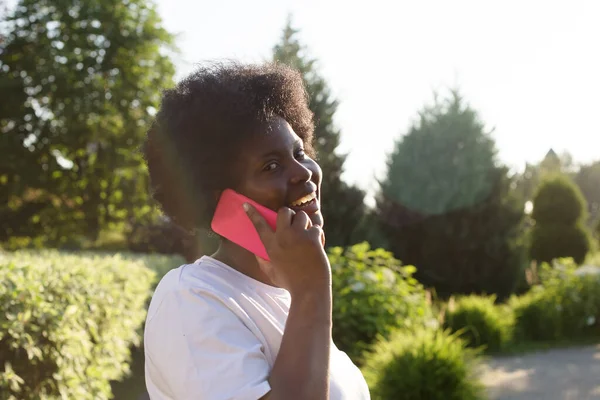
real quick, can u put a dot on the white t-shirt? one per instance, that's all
(213, 333)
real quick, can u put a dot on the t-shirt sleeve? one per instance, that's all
(198, 348)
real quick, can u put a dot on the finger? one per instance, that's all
(262, 227)
(317, 233)
(284, 218)
(302, 221)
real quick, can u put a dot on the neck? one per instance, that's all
(241, 260)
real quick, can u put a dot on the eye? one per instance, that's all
(300, 154)
(272, 166)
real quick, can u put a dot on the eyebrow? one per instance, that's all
(297, 144)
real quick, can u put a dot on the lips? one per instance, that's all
(308, 203)
(304, 200)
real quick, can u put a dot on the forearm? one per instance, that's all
(301, 370)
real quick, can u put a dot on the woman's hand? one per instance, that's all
(298, 263)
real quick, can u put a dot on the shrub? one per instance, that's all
(423, 364)
(555, 241)
(566, 305)
(480, 322)
(593, 259)
(559, 212)
(558, 201)
(67, 322)
(372, 294)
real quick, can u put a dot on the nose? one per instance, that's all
(300, 173)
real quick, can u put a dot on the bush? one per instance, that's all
(67, 322)
(593, 259)
(565, 305)
(372, 294)
(559, 214)
(549, 242)
(471, 250)
(423, 364)
(480, 322)
(558, 201)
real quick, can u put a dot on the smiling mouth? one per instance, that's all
(305, 201)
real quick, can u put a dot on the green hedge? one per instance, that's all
(67, 321)
(372, 295)
(559, 212)
(480, 322)
(423, 364)
(564, 305)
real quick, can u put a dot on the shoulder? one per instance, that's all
(199, 287)
(197, 341)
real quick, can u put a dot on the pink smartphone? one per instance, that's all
(231, 221)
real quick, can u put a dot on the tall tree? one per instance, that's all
(445, 204)
(343, 204)
(84, 77)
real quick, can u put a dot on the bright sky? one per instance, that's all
(531, 68)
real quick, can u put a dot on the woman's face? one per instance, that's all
(274, 171)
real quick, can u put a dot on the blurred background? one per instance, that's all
(460, 147)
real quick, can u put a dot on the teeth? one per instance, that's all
(304, 199)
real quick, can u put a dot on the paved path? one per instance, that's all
(560, 374)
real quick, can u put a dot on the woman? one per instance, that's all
(234, 326)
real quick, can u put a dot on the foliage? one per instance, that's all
(454, 159)
(593, 259)
(67, 321)
(558, 201)
(480, 322)
(372, 294)
(166, 237)
(558, 211)
(527, 182)
(342, 204)
(565, 305)
(84, 78)
(446, 207)
(423, 364)
(588, 180)
(554, 241)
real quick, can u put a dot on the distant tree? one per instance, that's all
(343, 204)
(588, 180)
(559, 210)
(527, 182)
(83, 78)
(446, 207)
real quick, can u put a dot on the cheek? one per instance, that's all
(268, 192)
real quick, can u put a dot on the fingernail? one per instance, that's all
(246, 207)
